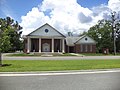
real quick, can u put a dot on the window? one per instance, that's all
(46, 30)
(81, 48)
(90, 48)
(86, 48)
(86, 39)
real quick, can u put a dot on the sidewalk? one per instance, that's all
(65, 71)
(77, 54)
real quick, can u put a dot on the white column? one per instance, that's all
(63, 46)
(60, 46)
(52, 45)
(28, 45)
(39, 45)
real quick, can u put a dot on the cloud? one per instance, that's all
(83, 18)
(66, 16)
(33, 20)
(100, 9)
(114, 5)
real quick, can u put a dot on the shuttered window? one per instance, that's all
(81, 48)
(90, 48)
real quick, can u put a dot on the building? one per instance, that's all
(48, 39)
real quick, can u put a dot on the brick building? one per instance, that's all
(48, 39)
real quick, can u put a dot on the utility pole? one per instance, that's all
(0, 59)
(114, 28)
(113, 31)
(0, 50)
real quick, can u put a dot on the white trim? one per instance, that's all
(39, 45)
(52, 45)
(46, 37)
(63, 46)
(28, 45)
(60, 45)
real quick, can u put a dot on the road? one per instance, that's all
(84, 81)
(60, 58)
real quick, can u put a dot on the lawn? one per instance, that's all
(56, 65)
(24, 54)
(65, 54)
(99, 54)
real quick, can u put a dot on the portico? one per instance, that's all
(45, 39)
(45, 45)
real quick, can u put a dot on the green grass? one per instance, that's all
(21, 54)
(99, 54)
(24, 54)
(56, 65)
(65, 54)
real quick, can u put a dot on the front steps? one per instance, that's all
(47, 54)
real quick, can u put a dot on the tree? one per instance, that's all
(9, 36)
(102, 33)
(11, 33)
(5, 42)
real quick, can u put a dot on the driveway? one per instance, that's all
(4, 57)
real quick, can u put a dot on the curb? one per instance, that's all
(66, 71)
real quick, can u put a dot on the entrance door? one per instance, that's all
(46, 47)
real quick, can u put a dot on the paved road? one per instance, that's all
(60, 58)
(85, 81)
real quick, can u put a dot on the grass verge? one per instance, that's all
(24, 54)
(99, 54)
(65, 54)
(56, 65)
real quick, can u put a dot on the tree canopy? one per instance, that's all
(10, 33)
(102, 32)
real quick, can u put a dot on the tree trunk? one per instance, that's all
(0, 59)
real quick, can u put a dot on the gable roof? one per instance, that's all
(42, 27)
(93, 41)
(71, 41)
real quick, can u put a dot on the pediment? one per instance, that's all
(46, 30)
(86, 40)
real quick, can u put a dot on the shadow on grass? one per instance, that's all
(5, 65)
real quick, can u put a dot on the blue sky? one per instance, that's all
(18, 8)
(91, 3)
(65, 15)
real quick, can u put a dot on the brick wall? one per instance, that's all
(78, 48)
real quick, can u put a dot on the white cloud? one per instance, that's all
(66, 15)
(33, 20)
(84, 19)
(114, 5)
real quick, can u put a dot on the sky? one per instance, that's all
(73, 16)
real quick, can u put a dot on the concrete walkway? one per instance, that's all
(77, 54)
(4, 57)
